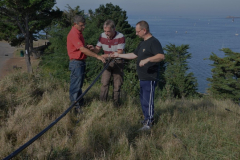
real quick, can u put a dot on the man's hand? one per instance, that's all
(115, 55)
(101, 58)
(105, 56)
(90, 47)
(143, 62)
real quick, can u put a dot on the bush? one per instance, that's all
(225, 81)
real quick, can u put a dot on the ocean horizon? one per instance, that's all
(204, 35)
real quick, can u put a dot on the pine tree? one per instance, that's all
(178, 82)
(225, 81)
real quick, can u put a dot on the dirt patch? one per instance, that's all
(16, 64)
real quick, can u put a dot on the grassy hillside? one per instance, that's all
(185, 129)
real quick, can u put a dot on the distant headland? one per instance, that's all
(232, 17)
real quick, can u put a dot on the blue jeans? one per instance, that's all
(147, 90)
(77, 69)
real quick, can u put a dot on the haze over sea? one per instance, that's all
(204, 35)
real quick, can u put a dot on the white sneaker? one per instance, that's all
(145, 128)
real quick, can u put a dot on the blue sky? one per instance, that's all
(163, 7)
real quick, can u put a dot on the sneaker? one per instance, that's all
(145, 128)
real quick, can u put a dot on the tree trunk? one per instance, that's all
(27, 54)
(30, 43)
(32, 51)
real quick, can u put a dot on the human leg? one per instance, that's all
(77, 69)
(105, 84)
(117, 81)
(147, 90)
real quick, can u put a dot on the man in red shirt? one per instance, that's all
(77, 53)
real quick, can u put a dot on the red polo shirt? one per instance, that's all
(75, 40)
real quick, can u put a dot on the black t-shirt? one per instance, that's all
(146, 49)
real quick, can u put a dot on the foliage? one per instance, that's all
(68, 15)
(109, 11)
(225, 81)
(55, 60)
(18, 15)
(65, 21)
(131, 81)
(178, 83)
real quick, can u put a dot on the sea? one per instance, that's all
(204, 35)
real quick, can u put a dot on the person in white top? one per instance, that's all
(111, 41)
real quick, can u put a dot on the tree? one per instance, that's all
(178, 82)
(21, 19)
(68, 15)
(225, 81)
(113, 12)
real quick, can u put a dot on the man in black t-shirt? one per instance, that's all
(148, 53)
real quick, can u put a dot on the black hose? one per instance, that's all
(54, 122)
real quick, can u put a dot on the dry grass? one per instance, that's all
(185, 129)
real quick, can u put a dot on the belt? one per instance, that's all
(77, 59)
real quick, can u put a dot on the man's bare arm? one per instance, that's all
(93, 49)
(124, 56)
(157, 58)
(91, 54)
